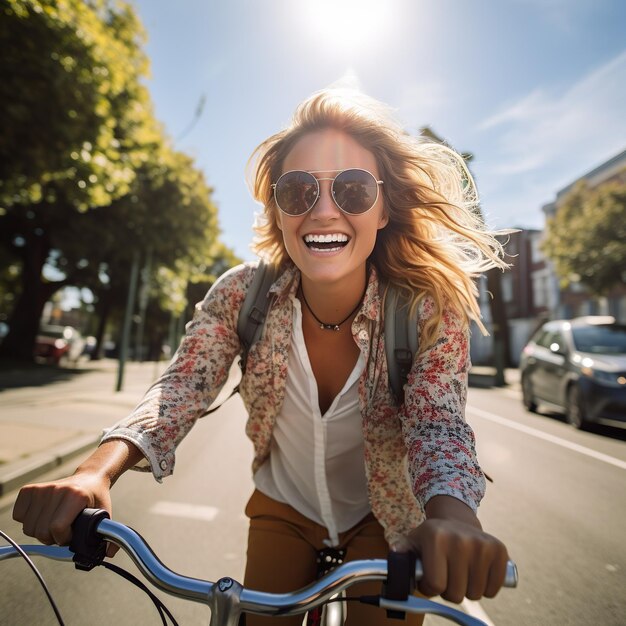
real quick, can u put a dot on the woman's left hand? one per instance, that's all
(459, 559)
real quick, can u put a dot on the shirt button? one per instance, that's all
(163, 465)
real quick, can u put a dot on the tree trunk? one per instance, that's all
(104, 308)
(25, 318)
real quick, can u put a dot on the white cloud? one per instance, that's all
(546, 140)
(585, 124)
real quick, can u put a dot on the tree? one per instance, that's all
(77, 124)
(73, 106)
(167, 216)
(586, 239)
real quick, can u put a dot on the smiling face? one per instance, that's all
(327, 245)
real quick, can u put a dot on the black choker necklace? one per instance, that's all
(325, 326)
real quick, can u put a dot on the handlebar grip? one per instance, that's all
(88, 546)
(511, 577)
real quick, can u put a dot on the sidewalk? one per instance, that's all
(48, 415)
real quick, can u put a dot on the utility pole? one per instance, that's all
(128, 316)
(143, 305)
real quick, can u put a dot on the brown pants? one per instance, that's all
(282, 546)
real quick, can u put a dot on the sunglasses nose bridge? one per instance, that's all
(325, 203)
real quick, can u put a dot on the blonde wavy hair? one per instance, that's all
(435, 243)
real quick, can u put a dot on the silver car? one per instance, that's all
(578, 367)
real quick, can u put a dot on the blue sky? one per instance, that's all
(536, 89)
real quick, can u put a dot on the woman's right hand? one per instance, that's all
(47, 510)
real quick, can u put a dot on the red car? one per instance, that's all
(58, 343)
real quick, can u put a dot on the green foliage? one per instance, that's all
(586, 239)
(87, 176)
(169, 215)
(199, 279)
(75, 116)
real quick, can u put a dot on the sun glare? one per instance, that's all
(346, 24)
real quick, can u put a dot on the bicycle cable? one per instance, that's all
(160, 607)
(37, 573)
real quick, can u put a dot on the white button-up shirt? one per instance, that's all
(325, 481)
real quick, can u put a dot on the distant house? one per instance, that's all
(575, 300)
(530, 289)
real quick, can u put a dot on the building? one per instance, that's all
(575, 300)
(530, 289)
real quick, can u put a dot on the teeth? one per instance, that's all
(326, 238)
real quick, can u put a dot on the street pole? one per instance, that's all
(143, 305)
(128, 316)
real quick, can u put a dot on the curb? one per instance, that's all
(482, 381)
(486, 378)
(18, 473)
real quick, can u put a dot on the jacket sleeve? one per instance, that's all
(440, 443)
(193, 379)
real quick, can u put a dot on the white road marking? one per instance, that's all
(534, 432)
(473, 608)
(180, 509)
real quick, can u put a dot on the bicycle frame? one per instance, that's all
(227, 598)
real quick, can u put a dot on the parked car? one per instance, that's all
(579, 367)
(56, 344)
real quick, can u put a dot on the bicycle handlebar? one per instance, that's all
(226, 592)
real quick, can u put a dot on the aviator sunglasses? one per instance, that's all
(354, 191)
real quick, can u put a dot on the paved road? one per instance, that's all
(558, 501)
(207, 540)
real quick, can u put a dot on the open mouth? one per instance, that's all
(331, 242)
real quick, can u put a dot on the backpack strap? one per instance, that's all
(252, 316)
(401, 340)
(253, 311)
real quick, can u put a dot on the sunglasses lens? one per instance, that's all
(355, 191)
(296, 192)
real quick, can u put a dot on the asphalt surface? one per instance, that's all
(48, 415)
(557, 501)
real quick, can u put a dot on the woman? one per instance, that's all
(351, 204)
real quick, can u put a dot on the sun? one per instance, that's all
(346, 24)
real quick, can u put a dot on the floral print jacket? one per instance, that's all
(427, 435)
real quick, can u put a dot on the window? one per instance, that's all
(540, 288)
(506, 285)
(536, 254)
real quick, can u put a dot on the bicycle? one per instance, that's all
(227, 599)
